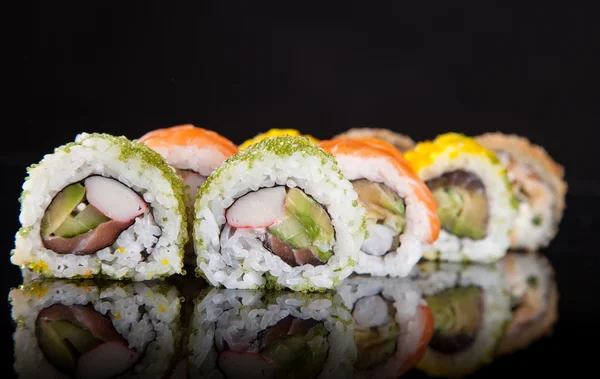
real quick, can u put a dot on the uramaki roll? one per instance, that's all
(194, 153)
(400, 141)
(401, 212)
(471, 308)
(280, 213)
(270, 334)
(392, 324)
(475, 204)
(102, 206)
(538, 183)
(81, 329)
(534, 300)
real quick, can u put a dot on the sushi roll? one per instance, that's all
(102, 206)
(259, 334)
(400, 141)
(534, 300)
(194, 153)
(475, 204)
(278, 214)
(471, 309)
(401, 212)
(537, 182)
(275, 133)
(392, 324)
(83, 329)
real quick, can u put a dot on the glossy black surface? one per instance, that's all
(420, 68)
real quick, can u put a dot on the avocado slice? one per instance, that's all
(292, 231)
(61, 207)
(89, 218)
(80, 338)
(378, 194)
(458, 314)
(462, 212)
(311, 214)
(55, 348)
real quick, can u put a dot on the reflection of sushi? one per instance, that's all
(475, 203)
(249, 334)
(537, 182)
(102, 206)
(392, 324)
(194, 153)
(280, 213)
(275, 133)
(471, 308)
(401, 212)
(534, 296)
(400, 141)
(80, 329)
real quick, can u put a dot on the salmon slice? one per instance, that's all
(188, 135)
(374, 148)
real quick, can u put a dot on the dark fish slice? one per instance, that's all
(88, 243)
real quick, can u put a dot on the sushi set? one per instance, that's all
(181, 254)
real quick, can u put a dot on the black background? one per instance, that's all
(421, 68)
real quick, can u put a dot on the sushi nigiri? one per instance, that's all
(537, 182)
(401, 211)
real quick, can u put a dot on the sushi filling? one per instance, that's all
(458, 316)
(88, 216)
(80, 342)
(385, 216)
(375, 331)
(288, 222)
(462, 204)
(293, 348)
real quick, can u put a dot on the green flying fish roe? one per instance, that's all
(280, 146)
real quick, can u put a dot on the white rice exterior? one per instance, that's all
(406, 299)
(237, 316)
(495, 244)
(397, 263)
(159, 235)
(432, 278)
(241, 261)
(156, 331)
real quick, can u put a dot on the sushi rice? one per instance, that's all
(234, 320)
(433, 278)
(235, 258)
(145, 314)
(152, 247)
(455, 152)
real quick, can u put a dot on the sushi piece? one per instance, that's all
(471, 308)
(194, 153)
(258, 334)
(534, 300)
(392, 324)
(401, 211)
(82, 329)
(537, 182)
(476, 207)
(278, 214)
(102, 206)
(275, 133)
(399, 141)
